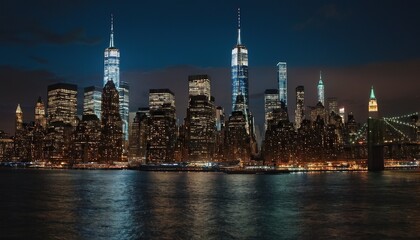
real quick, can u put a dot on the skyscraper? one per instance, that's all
(110, 149)
(282, 80)
(200, 120)
(199, 85)
(240, 73)
(19, 119)
(62, 103)
(271, 102)
(124, 91)
(300, 106)
(321, 90)
(112, 72)
(332, 105)
(112, 60)
(162, 126)
(373, 105)
(92, 101)
(40, 119)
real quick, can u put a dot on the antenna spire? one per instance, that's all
(111, 40)
(239, 26)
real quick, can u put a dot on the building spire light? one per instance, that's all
(111, 40)
(239, 26)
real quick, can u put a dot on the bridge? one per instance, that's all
(395, 137)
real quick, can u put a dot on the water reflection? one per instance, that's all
(132, 205)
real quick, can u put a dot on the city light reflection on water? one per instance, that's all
(74, 204)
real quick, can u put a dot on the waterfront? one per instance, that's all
(77, 204)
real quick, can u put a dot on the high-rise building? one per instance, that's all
(342, 113)
(373, 105)
(110, 149)
(162, 126)
(200, 120)
(112, 72)
(199, 85)
(92, 101)
(271, 102)
(237, 138)
(124, 91)
(300, 106)
(62, 103)
(240, 73)
(332, 105)
(40, 119)
(138, 136)
(321, 90)
(112, 60)
(19, 119)
(282, 81)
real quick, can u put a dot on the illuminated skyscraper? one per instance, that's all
(124, 91)
(332, 105)
(300, 106)
(110, 149)
(240, 73)
(200, 120)
(342, 113)
(92, 101)
(19, 119)
(373, 105)
(112, 72)
(62, 103)
(112, 60)
(271, 102)
(161, 135)
(199, 85)
(282, 80)
(321, 90)
(40, 119)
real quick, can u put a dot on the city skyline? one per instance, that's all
(348, 80)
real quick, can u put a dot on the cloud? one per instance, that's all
(33, 33)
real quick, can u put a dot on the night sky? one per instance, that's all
(355, 43)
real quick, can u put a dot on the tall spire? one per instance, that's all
(111, 40)
(372, 93)
(18, 109)
(320, 77)
(239, 26)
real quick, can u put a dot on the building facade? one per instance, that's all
(110, 149)
(282, 81)
(92, 98)
(300, 106)
(62, 103)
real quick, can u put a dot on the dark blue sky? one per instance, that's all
(355, 43)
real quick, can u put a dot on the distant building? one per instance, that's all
(62, 103)
(110, 149)
(240, 85)
(332, 105)
(271, 102)
(40, 116)
(87, 139)
(373, 105)
(112, 73)
(200, 120)
(321, 96)
(162, 126)
(282, 81)
(300, 106)
(237, 139)
(138, 136)
(19, 119)
(92, 101)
